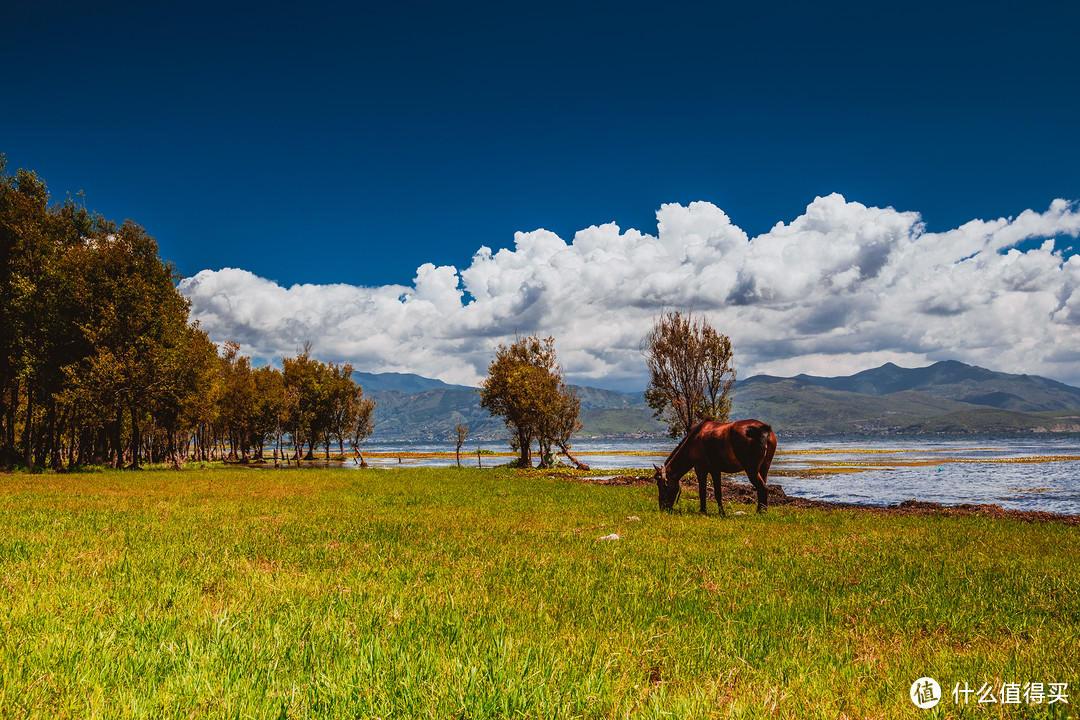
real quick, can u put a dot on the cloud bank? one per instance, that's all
(842, 288)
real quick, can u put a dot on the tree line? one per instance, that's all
(100, 363)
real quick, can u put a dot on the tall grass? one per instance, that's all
(461, 593)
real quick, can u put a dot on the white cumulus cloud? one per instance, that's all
(840, 288)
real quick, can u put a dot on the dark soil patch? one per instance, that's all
(744, 494)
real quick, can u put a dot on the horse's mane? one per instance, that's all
(682, 442)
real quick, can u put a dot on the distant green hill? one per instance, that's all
(431, 411)
(954, 380)
(430, 416)
(401, 382)
(621, 422)
(946, 398)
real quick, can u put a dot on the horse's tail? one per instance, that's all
(761, 433)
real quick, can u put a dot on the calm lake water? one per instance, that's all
(1021, 474)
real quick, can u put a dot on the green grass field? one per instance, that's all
(465, 593)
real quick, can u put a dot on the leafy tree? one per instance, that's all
(524, 386)
(196, 390)
(691, 375)
(303, 375)
(10, 317)
(276, 407)
(328, 402)
(136, 317)
(90, 319)
(61, 342)
(342, 396)
(237, 401)
(201, 408)
(26, 254)
(269, 399)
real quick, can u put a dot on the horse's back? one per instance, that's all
(733, 444)
(753, 431)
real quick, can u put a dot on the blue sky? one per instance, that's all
(352, 143)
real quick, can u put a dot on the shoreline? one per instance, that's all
(744, 494)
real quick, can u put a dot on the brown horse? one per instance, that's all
(714, 448)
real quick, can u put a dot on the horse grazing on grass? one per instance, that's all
(712, 448)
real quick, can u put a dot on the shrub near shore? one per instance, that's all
(476, 593)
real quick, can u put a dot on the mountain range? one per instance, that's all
(947, 397)
(415, 408)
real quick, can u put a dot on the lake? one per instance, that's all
(1020, 473)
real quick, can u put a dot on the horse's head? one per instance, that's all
(668, 491)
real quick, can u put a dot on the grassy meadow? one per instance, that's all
(466, 593)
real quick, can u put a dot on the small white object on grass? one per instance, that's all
(612, 536)
(635, 518)
(739, 512)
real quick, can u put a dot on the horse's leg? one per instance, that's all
(762, 492)
(766, 463)
(703, 486)
(763, 475)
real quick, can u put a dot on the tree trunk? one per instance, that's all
(56, 435)
(173, 451)
(71, 447)
(136, 438)
(9, 451)
(100, 454)
(152, 455)
(525, 447)
(277, 448)
(28, 445)
(577, 463)
(547, 456)
(116, 453)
